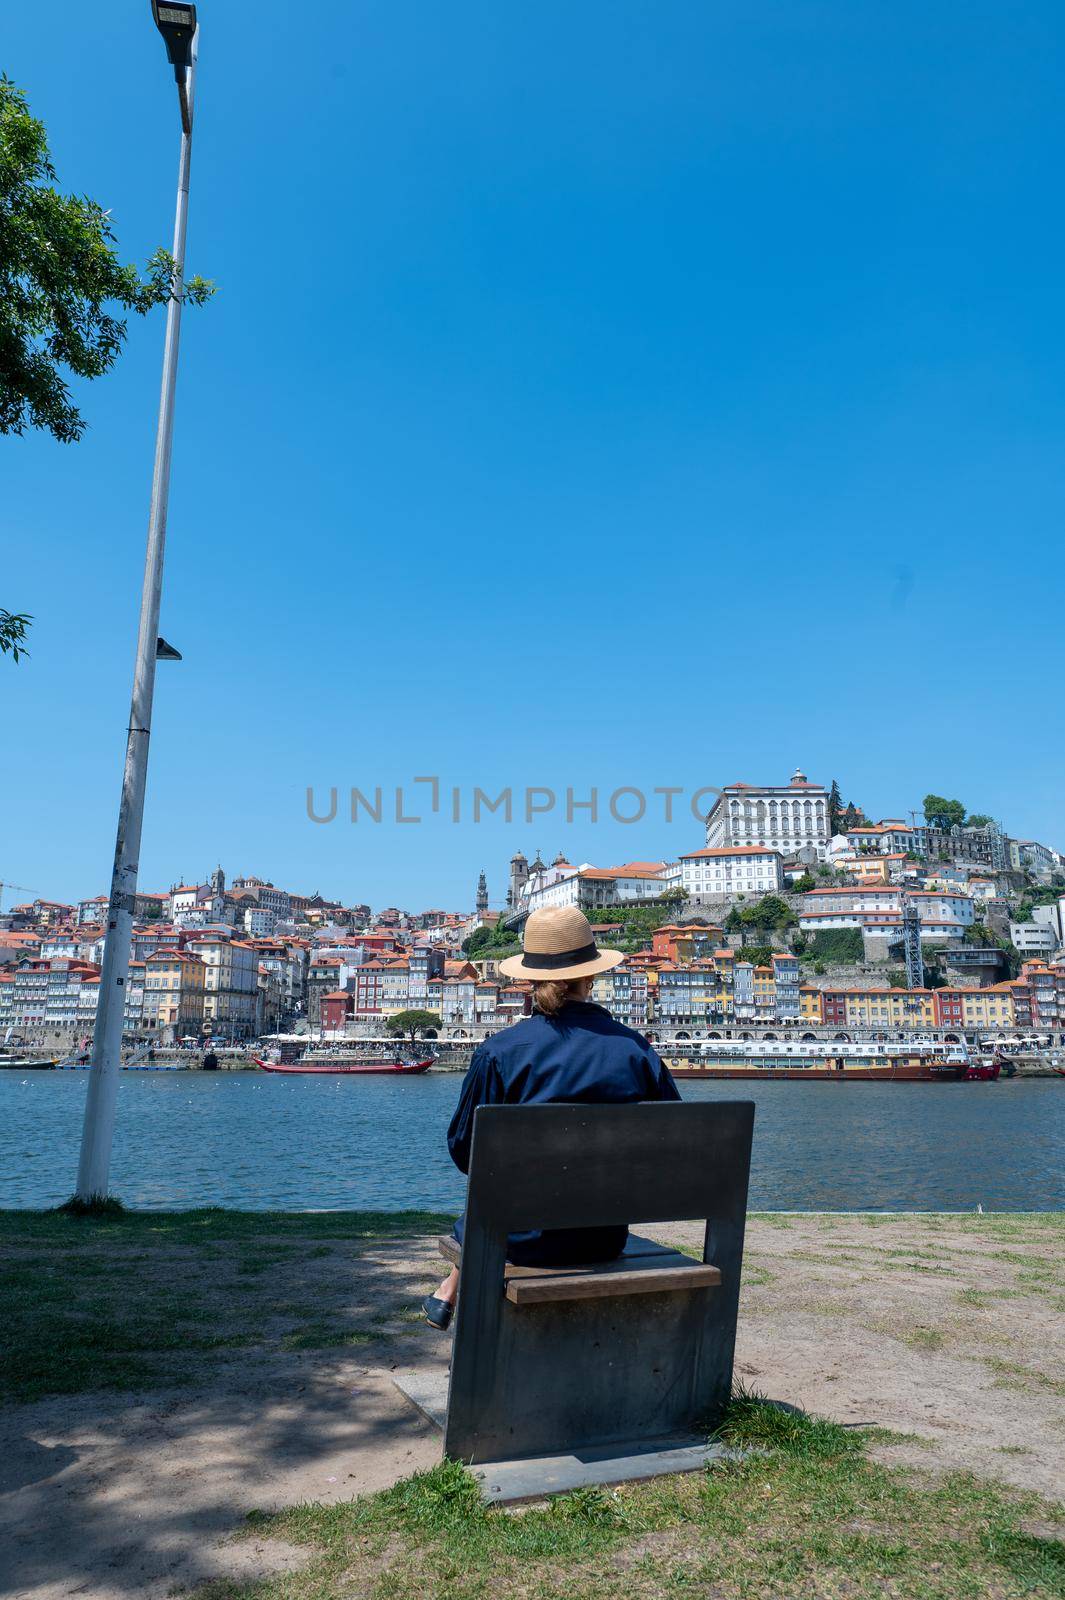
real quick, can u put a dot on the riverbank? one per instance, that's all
(165, 1374)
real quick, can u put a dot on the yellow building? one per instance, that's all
(722, 1002)
(883, 1009)
(988, 1008)
(810, 1009)
(173, 993)
(765, 993)
(868, 869)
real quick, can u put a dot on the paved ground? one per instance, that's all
(946, 1329)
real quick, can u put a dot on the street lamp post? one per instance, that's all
(177, 23)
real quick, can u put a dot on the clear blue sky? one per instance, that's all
(600, 394)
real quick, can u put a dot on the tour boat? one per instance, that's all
(27, 1063)
(838, 1061)
(343, 1066)
(983, 1071)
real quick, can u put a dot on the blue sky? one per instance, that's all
(596, 395)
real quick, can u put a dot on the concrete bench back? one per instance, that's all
(580, 1372)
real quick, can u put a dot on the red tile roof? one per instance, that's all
(730, 850)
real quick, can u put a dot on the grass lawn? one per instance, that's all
(124, 1301)
(804, 1516)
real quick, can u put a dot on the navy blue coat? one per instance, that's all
(582, 1056)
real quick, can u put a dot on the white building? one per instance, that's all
(786, 817)
(259, 922)
(1034, 938)
(942, 905)
(713, 874)
(1052, 916)
(592, 887)
(885, 838)
(877, 910)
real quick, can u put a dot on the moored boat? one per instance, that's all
(983, 1071)
(344, 1067)
(838, 1061)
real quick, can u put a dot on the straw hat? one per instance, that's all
(559, 943)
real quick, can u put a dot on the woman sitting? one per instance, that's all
(569, 1051)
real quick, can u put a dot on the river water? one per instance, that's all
(260, 1143)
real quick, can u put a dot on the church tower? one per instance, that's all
(482, 895)
(519, 877)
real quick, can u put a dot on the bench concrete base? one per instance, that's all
(533, 1477)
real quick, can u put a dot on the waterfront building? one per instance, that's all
(1039, 997)
(723, 872)
(454, 1000)
(686, 995)
(788, 818)
(882, 1010)
(811, 1009)
(369, 997)
(133, 1010)
(975, 1009)
(48, 1000)
(325, 974)
(173, 994)
(287, 961)
(785, 975)
(743, 1008)
(335, 1010)
(425, 963)
(630, 1000)
(486, 1003)
(231, 984)
(395, 986)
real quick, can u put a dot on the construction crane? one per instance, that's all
(21, 886)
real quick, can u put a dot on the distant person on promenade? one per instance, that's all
(568, 1052)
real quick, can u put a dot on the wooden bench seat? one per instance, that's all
(644, 1267)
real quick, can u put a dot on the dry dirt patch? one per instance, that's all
(946, 1328)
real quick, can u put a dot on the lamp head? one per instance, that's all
(176, 21)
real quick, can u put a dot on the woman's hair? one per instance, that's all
(553, 993)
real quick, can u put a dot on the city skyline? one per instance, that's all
(690, 427)
(494, 877)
